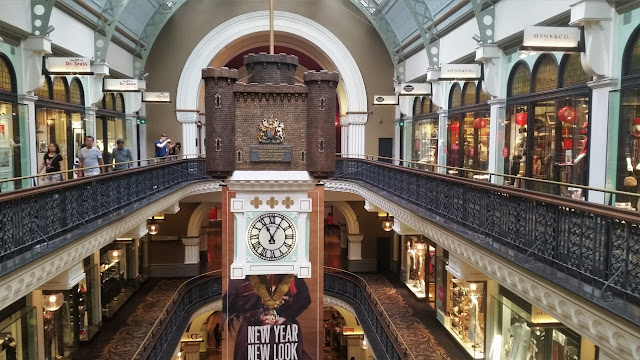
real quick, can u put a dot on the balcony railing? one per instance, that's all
(384, 339)
(595, 244)
(36, 221)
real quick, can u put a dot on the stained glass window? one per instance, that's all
(483, 97)
(75, 91)
(108, 101)
(520, 80)
(5, 77)
(546, 73)
(59, 89)
(44, 92)
(417, 108)
(119, 103)
(455, 99)
(469, 93)
(426, 105)
(634, 59)
(573, 73)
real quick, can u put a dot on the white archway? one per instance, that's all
(353, 227)
(196, 219)
(285, 22)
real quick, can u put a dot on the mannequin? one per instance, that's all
(9, 347)
(632, 149)
(520, 340)
(483, 154)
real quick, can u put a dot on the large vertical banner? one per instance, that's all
(273, 316)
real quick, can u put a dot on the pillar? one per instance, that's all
(496, 139)
(354, 347)
(356, 133)
(344, 136)
(142, 135)
(598, 121)
(355, 246)
(131, 140)
(30, 100)
(442, 139)
(191, 249)
(343, 236)
(188, 119)
(395, 252)
(90, 121)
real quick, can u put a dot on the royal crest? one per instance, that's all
(271, 131)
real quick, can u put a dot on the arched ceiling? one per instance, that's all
(398, 22)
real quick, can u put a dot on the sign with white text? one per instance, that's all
(460, 72)
(156, 97)
(67, 65)
(551, 38)
(415, 89)
(120, 85)
(385, 100)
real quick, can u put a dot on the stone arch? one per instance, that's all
(195, 221)
(246, 24)
(352, 220)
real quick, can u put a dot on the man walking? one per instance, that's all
(90, 157)
(161, 146)
(122, 154)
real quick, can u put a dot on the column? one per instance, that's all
(408, 142)
(496, 139)
(354, 347)
(442, 140)
(142, 135)
(598, 121)
(356, 135)
(355, 246)
(131, 134)
(188, 119)
(191, 249)
(395, 252)
(30, 139)
(344, 135)
(90, 121)
(397, 145)
(343, 236)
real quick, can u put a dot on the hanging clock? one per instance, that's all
(271, 236)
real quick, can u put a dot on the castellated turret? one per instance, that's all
(321, 114)
(220, 124)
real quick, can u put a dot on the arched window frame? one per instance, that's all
(469, 86)
(481, 95)
(514, 71)
(632, 48)
(65, 89)
(564, 64)
(109, 101)
(455, 96)
(426, 105)
(542, 59)
(48, 86)
(118, 103)
(76, 84)
(11, 74)
(417, 106)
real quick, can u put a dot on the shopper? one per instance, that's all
(122, 156)
(90, 157)
(217, 335)
(53, 162)
(162, 146)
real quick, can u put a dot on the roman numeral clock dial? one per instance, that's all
(271, 236)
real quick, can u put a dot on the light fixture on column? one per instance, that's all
(364, 343)
(52, 302)
(387, 223)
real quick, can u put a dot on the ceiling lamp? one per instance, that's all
(153, 226)
(387, 223)
(52, 302)
(114, 255)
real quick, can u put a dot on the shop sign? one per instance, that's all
(120, 85)
(385, 100)
(192, 337)
(551, 38)
(68, 65)
(156, 97)
(352, 330)
(538, 316)
(460, 72)
(415, 89)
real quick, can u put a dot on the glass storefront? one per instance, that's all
(118, 274)
(425, 132)
(110, 124)
(546, 135)
(18, 335)
(420, 273)
(468, 130)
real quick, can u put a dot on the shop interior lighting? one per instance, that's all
(52, 302)
(114, 255)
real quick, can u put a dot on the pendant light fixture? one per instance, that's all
(387, 223)
(153, 226)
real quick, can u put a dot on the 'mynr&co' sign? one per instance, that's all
(460, 71)
(551, 38)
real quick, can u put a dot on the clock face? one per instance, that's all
(271, 236)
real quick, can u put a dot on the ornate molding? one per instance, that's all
(187, 116)
(357, 119)
(608, 332)
(30, 277)
(190, 241)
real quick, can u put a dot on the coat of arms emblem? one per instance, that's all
(271, 131)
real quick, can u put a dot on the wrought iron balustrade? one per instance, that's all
(194, 293)
(597, 245)
(36, 221)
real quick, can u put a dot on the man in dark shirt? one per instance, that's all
(121, 156)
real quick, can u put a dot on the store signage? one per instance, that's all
(385, 100)
(539, 316)
(460, 72)
(68, 65)
(415, 89)
(120, 85)
(156, 97)
(550, 38)
(192, 337)
(352, 330)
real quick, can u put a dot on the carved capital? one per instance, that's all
(191, 241)
(355, 238)
(357, 118)
(187, 116)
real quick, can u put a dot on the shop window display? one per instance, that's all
(60, 89)
(118, 276)
(18, 336)
(110, 124)
(465, 315)
(425, 133)
(420, 274)
(64, 326)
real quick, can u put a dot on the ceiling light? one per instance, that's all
(387, 223)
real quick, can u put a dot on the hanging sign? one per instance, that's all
(385, 100)
(415, 89)
(156, 97)
(460, 72)
(120, 85)
(68, 66)
(548, 38)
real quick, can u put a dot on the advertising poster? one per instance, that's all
(274, 316)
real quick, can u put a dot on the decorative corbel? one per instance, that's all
(437, 87)
(100, 70)
(595, 17)
(494, 61)
(36, 47)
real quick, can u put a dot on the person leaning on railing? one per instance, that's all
(53, 162)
